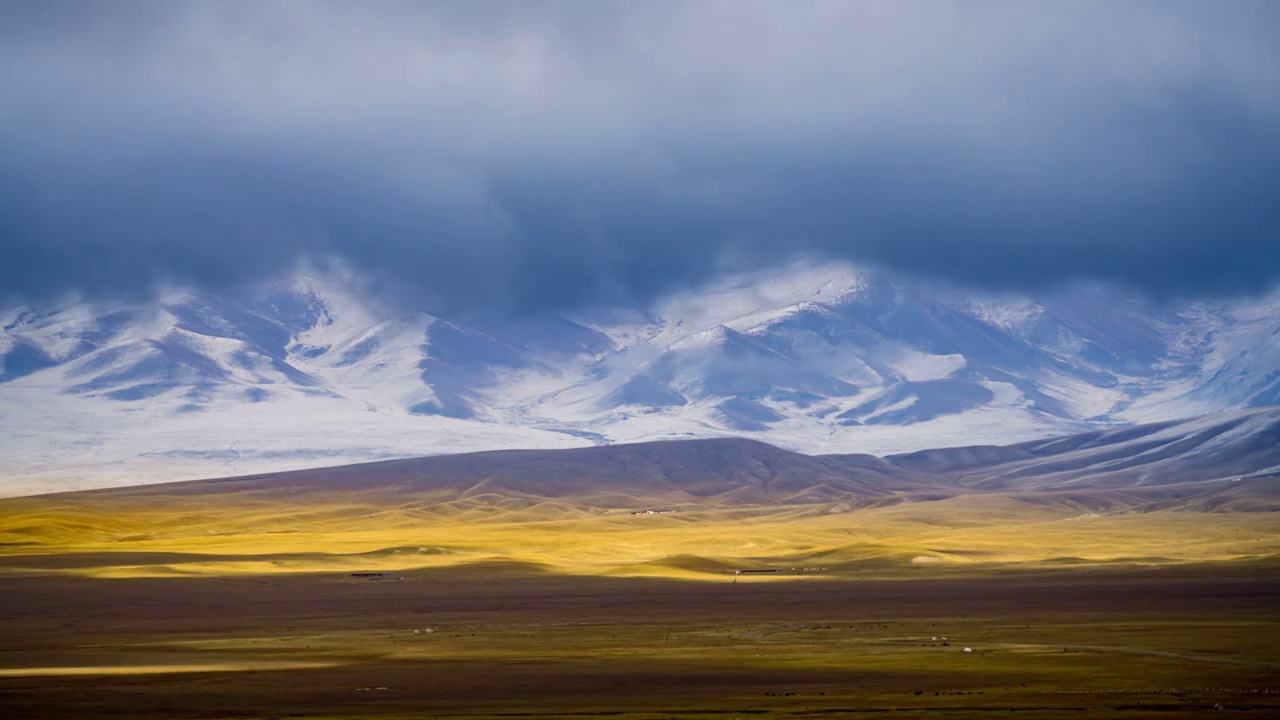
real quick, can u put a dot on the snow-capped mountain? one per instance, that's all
(310, 369)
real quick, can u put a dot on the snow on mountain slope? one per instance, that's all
(1233, 446)
(1243, 358)
(311, 369)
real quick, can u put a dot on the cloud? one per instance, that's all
(543, 155)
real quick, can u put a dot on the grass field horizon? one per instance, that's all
(966, 532)
(479, 587)
(734, 505)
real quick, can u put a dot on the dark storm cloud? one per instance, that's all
(543, 155)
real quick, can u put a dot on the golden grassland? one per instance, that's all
(247, 535)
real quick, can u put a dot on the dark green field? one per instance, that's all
(510, 641)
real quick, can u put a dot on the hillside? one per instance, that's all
(1236, 454)
(1195, 455)
(1196, 490)
(1177, 459)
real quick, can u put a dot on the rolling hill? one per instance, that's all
(1181, 459)
(1235, 451)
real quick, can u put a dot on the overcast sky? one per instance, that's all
(546, 155)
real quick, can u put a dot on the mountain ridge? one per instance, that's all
(312, 368)
(1234, 455)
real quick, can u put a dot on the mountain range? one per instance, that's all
(313, 368)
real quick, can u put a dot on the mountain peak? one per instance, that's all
(309, 367)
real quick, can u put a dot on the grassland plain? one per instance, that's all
(166, 605)
(112, 536)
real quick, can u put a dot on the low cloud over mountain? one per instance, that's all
(507, 157)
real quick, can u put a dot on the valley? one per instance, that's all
(501, 640)
(1120, 572)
